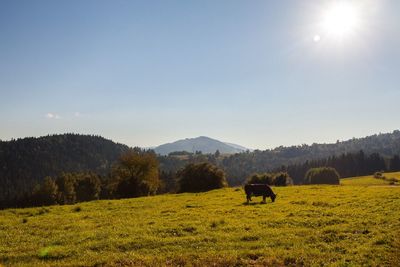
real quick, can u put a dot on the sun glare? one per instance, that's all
(340, 21)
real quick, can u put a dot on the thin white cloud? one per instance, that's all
(79, 115)
(52, 116)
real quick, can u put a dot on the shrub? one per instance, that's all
(392, 179)
(323, 175)
(200, 177)
(282, 179)
(277, 179)
(261, 178)
(379, 175)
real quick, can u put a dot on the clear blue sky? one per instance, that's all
(149, 72)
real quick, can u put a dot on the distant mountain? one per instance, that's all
(204, 144)
(242, 148)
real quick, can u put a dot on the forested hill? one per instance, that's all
(23, 162)
(239, 166)
(386, 144)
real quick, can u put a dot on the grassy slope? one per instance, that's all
(310, 225)
(370, 180)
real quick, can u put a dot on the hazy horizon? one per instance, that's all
(145, 73)
(221, 140)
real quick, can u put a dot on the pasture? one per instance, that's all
(356, 223)
(370, 180)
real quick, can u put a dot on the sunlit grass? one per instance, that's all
(310, 225)
(370, 180)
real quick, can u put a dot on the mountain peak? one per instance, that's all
(204, 144)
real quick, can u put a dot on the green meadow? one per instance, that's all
(370, 180)
(354, 224)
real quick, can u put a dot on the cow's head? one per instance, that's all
(273, 196)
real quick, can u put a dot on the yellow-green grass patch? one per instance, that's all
(369, 180)
(307, 225)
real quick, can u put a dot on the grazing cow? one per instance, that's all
(259, 190)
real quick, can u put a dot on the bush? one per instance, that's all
(323, 175)
(200, 177)
(282, 179)
(277, 179)
(261, 178)
(379, 175)
(392, 180)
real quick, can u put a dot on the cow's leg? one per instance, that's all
(264, 197)
(248, 198)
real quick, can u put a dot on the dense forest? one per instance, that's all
(26, 162)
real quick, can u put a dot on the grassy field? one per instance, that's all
(370, 180)
(357, 223)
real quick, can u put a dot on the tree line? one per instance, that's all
(135, 174)
(346, 164)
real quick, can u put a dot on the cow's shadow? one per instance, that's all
(254, 203)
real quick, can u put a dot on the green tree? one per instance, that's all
(395, 163)
(200, 177)
(66, 188)
(88, 186)
(322, 175)
(135, 174)
(47, 193)
(168, 182)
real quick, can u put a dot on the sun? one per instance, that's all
(340, 21)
